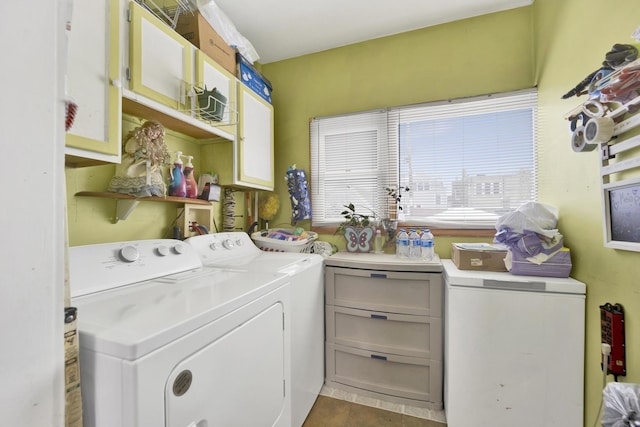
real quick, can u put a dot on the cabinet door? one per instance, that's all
(160, 60)
(209, 75)
(93, 82)
(255, 145)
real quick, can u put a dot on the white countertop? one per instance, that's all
(382, 262)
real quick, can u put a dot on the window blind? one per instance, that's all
(350, 164)
(466, 161)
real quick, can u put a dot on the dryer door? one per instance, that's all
(237, 380)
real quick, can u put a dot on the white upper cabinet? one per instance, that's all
(210, 75)
(160, 60)
(255, 151)
(160, 77)
(93, 83)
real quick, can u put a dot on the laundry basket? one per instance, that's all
(283, 240)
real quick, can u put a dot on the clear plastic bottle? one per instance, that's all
(427, 245)
(377, 244)
(402, 244)
(414, 244)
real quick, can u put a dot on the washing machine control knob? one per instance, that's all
(214, 246)
(162, 250)
(239, 242)
(129, 253)
(179, 248)
(228, 244)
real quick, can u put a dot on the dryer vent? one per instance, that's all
(621, 405)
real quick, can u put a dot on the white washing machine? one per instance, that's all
(514, 349)
(165, 342)
(237, 250)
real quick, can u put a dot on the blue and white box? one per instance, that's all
(253, 79)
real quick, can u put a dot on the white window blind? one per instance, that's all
(349, 157)
(465, 161)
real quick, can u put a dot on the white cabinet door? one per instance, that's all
(93, 83)
(255, 149)
(160, 60)
(210, 75)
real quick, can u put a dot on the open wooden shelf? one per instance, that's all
(125, 203)
(148, 109)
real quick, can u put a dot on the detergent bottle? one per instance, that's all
(190, 179)
(177, 183)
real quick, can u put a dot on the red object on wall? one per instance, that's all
(612, 331)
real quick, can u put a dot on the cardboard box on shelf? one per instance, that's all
(478, 256)
(196, 29)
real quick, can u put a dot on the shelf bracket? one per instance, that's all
(124, 208)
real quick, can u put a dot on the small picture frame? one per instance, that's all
(622, 214)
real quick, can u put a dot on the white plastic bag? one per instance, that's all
(533, 216)
(226, 29)
(621, 405)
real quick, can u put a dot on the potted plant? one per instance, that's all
(395, 193)
(390, 224)
(357, 229)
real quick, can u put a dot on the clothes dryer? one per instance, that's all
(164, 342)
(236, 250)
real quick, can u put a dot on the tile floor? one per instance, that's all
(337, 408)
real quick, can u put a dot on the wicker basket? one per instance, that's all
(275, 245)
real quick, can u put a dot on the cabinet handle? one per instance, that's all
(375, 356)
(378, 275)
(378, 316)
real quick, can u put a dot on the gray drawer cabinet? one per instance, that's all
(384, 333)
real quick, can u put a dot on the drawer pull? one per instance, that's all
(375, 356)
(378, 275)
(378, 316)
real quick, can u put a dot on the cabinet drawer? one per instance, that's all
(400, 334)
(387, 291)
(399, 376)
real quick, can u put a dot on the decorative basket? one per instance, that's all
(294, 244)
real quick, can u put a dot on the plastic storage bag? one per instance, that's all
(532, 216)
(532, 238)
(621, 405)
(226, 29)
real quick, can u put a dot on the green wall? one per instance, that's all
(491, 53)
(572, 37)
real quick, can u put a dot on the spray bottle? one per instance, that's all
(190, 179)
(177, 183)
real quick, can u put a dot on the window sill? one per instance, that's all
(442, 232)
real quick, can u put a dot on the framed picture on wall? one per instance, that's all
(622, 214)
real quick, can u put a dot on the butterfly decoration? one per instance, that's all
(359, 239)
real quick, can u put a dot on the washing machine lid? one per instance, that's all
(507, 281)
(281, 262)
(131, 321)
(237, 250)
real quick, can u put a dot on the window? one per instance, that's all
(465, 161)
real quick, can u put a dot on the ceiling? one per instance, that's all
(282, 29)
